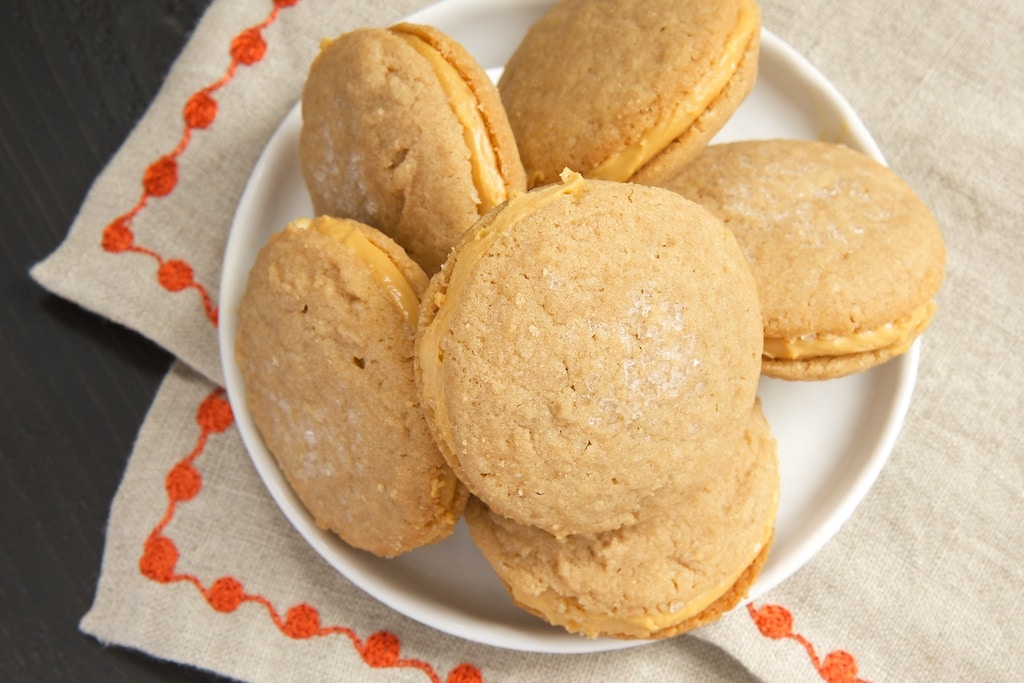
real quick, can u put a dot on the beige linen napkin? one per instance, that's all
(925, 581)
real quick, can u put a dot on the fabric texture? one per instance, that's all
(922, 583)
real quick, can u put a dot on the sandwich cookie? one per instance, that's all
(580, 344)
(847, 257)
(403, 130)
(324, 346)
(620, 90)
(691, 557)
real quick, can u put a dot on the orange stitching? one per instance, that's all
(775, 622)
(226, 594)
(161, 176)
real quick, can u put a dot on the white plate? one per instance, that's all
(834, 437)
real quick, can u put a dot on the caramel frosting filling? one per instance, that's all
(900, 333)
(483, 159)
(624, 163)
(431, 344)
(382, 268)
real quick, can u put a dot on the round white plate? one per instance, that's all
(834, 437)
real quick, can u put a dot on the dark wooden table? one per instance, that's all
(76, 75)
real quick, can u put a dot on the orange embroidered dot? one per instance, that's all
(175, 275)
(117, 236)
(774, 621)
(225, 595)
(159, 557)
(248, 47)
(839, 667)
(214, 414)
(183, 482)
(301, 621)
(161, 177)
(381, 650)
(465, 673)
(200, 110)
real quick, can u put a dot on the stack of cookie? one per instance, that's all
(588, 359)
(570, 357)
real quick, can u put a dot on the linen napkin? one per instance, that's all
(924, 582)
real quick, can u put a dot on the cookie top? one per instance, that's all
(690, 558)
(403, 130)
(324, 346)
(847, 257)
(606, 88)
(580, 344)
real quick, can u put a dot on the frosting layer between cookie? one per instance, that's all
(624, 163)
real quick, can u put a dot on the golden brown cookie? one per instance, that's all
(324, 346)
(847, 257)
(403, 130)
(581, 344)
(617, 90)
(692, 556)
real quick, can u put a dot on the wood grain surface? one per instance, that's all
(75, 75)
